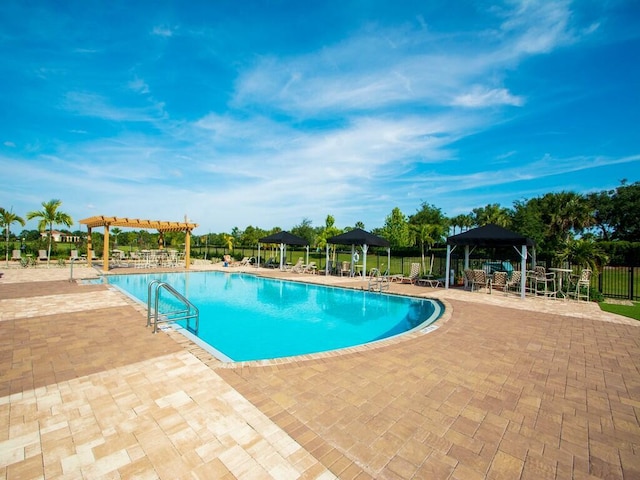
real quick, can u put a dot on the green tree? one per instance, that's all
(50, 216)
(329, 230)
(583, 252)
(251, 235)
(6, 219)
(492, 213)
(565, 215)
(601, 205)
(305, 230)
(396, 229)
(426, 235)
(625, 218)
(228, 241)
(115, 231)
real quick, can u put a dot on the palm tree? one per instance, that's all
(50, 216)
(426, 234)
(492, 213)
(583, 252)
(115, 231)
(6, 219)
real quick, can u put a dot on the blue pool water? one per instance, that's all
(245, 317)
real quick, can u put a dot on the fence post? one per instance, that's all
(600, 275)
(631, 289)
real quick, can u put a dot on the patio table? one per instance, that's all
(560, 274)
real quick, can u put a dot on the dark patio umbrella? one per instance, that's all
(283, 238)
(357, 236)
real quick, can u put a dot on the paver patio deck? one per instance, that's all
(504, 388)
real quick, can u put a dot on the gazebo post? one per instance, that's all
(365, 248)
(523, 269)
(447, 267)
(326, 260)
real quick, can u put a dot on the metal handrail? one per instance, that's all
(154, 316)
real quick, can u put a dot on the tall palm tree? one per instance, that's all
(50, 216)
(6, 219)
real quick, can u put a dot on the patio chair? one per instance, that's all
(579, 285)
(480, 280)
(499, 281)
(414, 273)
(543, 282)
(345, 269)
(16, 255)
(513, 283)
(42, 256)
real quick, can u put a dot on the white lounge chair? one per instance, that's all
(414, 273)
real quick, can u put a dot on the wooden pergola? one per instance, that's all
(160, 226)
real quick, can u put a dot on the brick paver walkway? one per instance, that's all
(494, 392)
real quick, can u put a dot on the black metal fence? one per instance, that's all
(612, 282)
(620, 282)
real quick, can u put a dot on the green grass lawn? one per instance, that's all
(631, 311)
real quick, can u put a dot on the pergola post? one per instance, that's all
(105, 249)
(187, 249)
(89, 247)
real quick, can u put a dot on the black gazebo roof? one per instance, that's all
(357, 236)
(284, 237)
(490, 236)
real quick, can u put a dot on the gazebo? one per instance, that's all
(490, 236)
(161, 226)
(283, 238)
(354, 237)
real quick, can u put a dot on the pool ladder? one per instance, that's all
(154, 316)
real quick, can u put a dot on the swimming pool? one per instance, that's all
(245, 317)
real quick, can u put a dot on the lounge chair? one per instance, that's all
(245, 262)
(297, 268)
(74, 255)
(42, 256)
(16, 255)
(271, 263)
(414, 273)
(309, 268)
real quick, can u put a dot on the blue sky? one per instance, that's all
(267, 112)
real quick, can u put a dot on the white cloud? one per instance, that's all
(483, 97)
